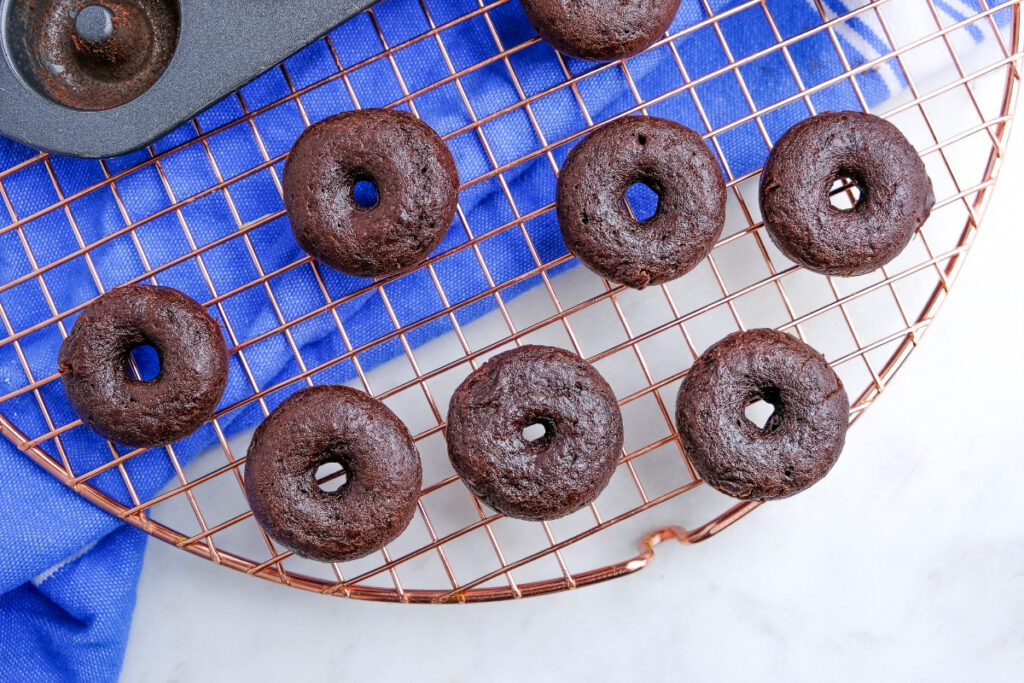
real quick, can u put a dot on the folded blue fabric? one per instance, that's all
(68, 570)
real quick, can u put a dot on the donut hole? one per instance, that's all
(331, 476)
(846, 192)
(759, 412)
(538, 431)
(643, 198)
(144, 362)
(763, 409)
(365, 194)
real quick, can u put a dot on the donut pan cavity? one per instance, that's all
(99, 79)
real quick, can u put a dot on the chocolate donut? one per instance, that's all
(896, 194)
(600, 30)
(563, 469)
(799, 443)
(671, 160)
(93, 364)
(333, 424)
(409, 166)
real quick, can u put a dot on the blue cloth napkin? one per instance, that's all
(68, 570)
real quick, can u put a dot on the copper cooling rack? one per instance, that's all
(456, 550)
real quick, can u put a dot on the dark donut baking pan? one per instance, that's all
(99, 78)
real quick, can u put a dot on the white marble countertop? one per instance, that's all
(906, 563)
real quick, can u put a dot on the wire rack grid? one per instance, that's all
(456, 549)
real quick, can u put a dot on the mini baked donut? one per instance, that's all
(896, 194)
(799, 443)
(93, 364)
(563, 469)
(600, 30)
(670, 159)
(409, 166)
(332, 424)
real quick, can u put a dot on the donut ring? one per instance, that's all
(896, 194)
(561, 471)
(670, 159)
(93, 364)
(600, 30)
(801, 440)
(413, 173)
(325, 424)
